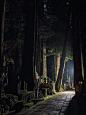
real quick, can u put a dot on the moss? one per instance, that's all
(28, 104)
(29, 92)
(61, 88)
(10, 113)
(43, 76)
(11, 95)
(25, 92)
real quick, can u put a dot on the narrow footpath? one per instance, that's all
(64, 103)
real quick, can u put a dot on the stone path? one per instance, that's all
(61, 104)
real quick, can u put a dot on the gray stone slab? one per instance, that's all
(59, 102)
(44, 114)
(66, 102)
(54, 112)
(57, 108)
(62, 101)
(63, 109)
(50, 108)
(68, 99)
(53, 106)
(35, 113)
(63, 98)
(54, 102)
(45, 111)
(28, 111)
(65, 105)
(49, 102)
(62, 114)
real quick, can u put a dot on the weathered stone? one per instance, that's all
(46, 111)
(55, 113)
(63, 109)
(53, 106)
(57, 108)
(49, 108)
(56, 105)
(65, 104)
(61, 101)
(68, 100)
(38, 110)
(62, 114)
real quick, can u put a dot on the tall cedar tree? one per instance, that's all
(2, 12)
(27, 64)
(63, 59)
(76, 47)
(82, 17)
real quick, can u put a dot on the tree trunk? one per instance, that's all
(50, 67)
(40, 13)
(58, 65)
(76, 49)
(62, 65)
(44, 61)
(2, 18)
(82, 66)
(27, 63)
(38, 59)
(35, 37)
(82, 13)
(55, 65)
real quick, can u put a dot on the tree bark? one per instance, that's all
(39, 55)
(82, 13)
(76, 49)
(82, 66)
(44, 61)
(35, 37)
(58, 65)
(62, 65)
(2, 18)
(55, 65)
(27, 63)
(38, 58)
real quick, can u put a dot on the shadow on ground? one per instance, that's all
(77, 106)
